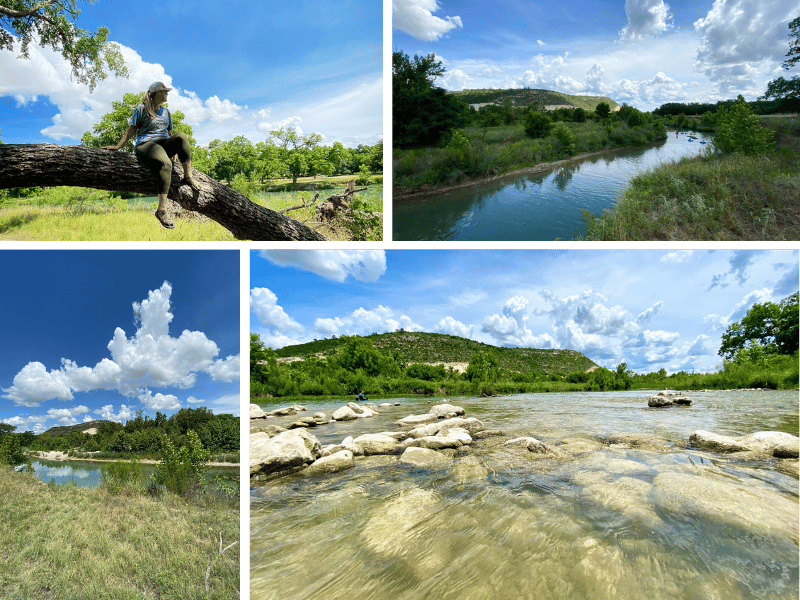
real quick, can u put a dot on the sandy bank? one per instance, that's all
(405, 193)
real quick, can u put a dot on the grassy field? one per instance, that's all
(69, 543)
(495, 150)
(78, 214)
(716, 197)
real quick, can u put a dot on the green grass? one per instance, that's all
(69, 543)
(715, 197)
(79, 214)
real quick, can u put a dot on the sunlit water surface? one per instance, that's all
(498, 524)
(535, 206)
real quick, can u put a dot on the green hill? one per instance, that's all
(524, 97)
(437, 348)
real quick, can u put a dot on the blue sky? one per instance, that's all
(642, 52)
(237, 68)
(100, 334)
(652, 309)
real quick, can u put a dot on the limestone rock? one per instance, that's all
(270, 430)
(531, 444)
(446, 411)
(345, 413)
(282, 412)
(256, 412)
(716, 443)
(378, 443)
(773, 443)
(472, 425)
(417, 420)
(286, 451)
(338, 461)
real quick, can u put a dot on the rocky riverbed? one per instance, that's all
(546, 496)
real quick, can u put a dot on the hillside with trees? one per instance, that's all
(528, 96)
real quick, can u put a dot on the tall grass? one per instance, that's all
(69, 543)
(712, 197)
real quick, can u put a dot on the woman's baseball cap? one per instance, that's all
(157, 87)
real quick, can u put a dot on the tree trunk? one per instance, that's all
(46, 165)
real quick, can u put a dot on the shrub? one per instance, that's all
(565, 137)
(537, 125)
(738, 130)
(180, 469)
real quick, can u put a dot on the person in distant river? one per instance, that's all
(361, 397)
(151, 125)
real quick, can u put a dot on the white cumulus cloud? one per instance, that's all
(645, 18)
(416, 18)
(149, 358)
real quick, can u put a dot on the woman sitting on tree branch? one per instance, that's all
(151, 124)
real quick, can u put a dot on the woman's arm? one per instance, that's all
(129, 133)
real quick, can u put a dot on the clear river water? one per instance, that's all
(602, 520)
(544, 205)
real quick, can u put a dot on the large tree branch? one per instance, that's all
(19, 14)
(47, 165)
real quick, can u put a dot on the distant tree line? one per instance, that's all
(284, 154)
(141, 435)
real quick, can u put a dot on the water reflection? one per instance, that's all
(532, 206)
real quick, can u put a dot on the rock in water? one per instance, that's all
(289, 450)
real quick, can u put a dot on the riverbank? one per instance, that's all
(68, 543)
(427, 190)
(479, 153)
(58, 455)
(715, 197)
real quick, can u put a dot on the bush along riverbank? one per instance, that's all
(720, 196)
(485, 152)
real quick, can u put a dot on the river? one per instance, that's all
(601, 521)
(536, 206)
(83, 473)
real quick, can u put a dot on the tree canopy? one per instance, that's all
(794, 45)
(772, 327)
(421, 112)
(738, 130)
(51, 23)
(109, 130)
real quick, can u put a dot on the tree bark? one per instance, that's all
(46, 165)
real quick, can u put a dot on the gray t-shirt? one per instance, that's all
(148, 129)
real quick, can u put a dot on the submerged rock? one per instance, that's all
(424, 457)
(393, 530)
(723, 499)
(286, 451)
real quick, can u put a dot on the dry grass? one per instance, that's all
(69, 543)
